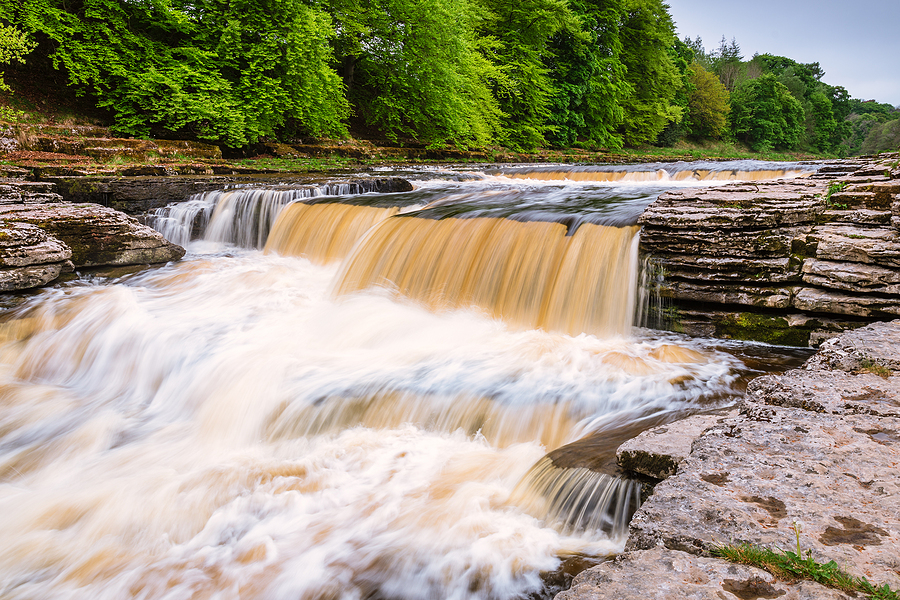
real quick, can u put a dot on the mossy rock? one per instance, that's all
(762, 328)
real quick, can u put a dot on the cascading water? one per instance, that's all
(241, 216)
(286, 425)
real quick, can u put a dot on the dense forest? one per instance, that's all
(516, 73)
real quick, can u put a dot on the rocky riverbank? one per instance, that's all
(819, 445)
(789, 261)
(42, 237)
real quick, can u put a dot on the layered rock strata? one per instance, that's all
(818, 445)
(42, 237)
(791, 261)
(140, 194)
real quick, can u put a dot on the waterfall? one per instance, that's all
(736, 170)
(323, 232)
(531, 274)
(426, 404)
(578, 499)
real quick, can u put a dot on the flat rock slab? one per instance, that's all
(777, 242)
(724, 269)
(716, 293)
(28, 192)
(749, 478)
(817, 300)
(657, 452)
(834, 392)
(852, 277)
(661, 574)
(877, 344)
(29, 257)
(868, 245)
(740, 206)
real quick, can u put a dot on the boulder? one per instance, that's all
(95, 235)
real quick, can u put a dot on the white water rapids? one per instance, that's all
(224, 427)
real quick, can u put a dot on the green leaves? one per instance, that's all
(419, 70)
(231, 72)
(792, 565)
(765, 115)
(708, 104)
(653, 80)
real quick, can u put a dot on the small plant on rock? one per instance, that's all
(788, 565)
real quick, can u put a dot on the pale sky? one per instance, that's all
(857, 43)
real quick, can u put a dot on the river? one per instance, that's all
(350, 396)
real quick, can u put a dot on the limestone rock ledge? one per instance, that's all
(38, 242)
(826, 247)
(661, 574)
(657, 452)
(819, 445)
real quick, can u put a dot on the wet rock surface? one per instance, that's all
(826, 246)
(40, 242)
(145, 192)
(819, 445)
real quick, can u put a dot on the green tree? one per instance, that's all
(708, 104)
(587, 77)
(726, 63)
(417, 68)
(523, 30)
(648, 36)
(14, 45)
(227, 71)
(765, 115)
(823, 122)
(883, 137)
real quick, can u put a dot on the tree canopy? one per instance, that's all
(520, 73)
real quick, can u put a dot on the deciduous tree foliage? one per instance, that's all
(765, 115)
(229, 71)
(588, 78)
(521, 73)
(708, 104)
(417, 68)
(648, 35)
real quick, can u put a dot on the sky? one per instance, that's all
(857, 43)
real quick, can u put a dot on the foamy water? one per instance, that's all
(156, 440)
(250, 425)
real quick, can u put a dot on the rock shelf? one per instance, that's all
(819, 444)
(791, 261)
(42, 237)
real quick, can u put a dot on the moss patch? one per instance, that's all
(762, 328)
